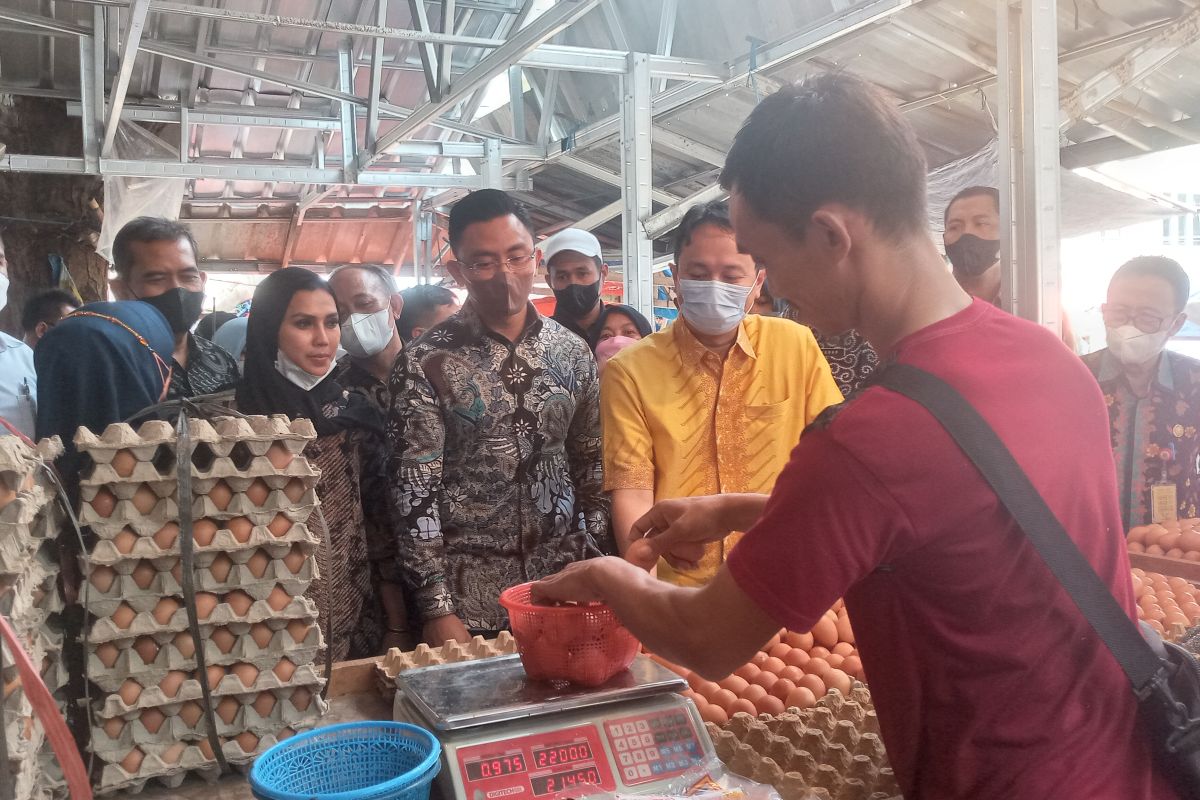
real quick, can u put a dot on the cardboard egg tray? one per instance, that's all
(143, 545)
(106, 629)
(129, 662)
(396, 662)
(834, 746)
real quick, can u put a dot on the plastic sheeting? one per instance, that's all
(127, 198)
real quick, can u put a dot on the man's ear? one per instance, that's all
(603, 273)
(1177, 326)
(120, 289)
(40, 329)
(396, 303)
(455, 268)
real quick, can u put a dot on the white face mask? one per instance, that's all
(3, 291)
(1131, 346)
(712, 307)
(297, 374)
(364, 335)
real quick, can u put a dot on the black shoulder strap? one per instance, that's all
(1021, 498)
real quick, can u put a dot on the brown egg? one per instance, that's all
(227, 709)
(286, 733)
(295, 488)
(102, 577)
(796, 658)
(7, 495)
(171, 682)
(206, 749)
(782, 688)
(853, 666)
(278, 598)
(714, 714)
(279, 455)
(734, 684)
(125, 540)
(264, 704)
(801, 697)
(215, 673)
(173, 753)
(813, 684)
(774, 665)
(754, 693)
(220, 567)
(261, 635)
(780, 650)
(220, 495)
(770, 705)
(146, 648)
(223, 639)
(166, 536)
(123, 617)
(742, 707)
(248, 673)
(834, 660)
(204, 530)
(295, 559)
(818, 666)
(132, 762)
(818, 652)
(129, 691)
(144, 574)
(241, 528)
(247, 741)
(723, 698)
(104, 502)
(840, 681)
(825, 632)
(258, 563)
(240, 602)
(747, 671)
(801, 641)
(845, 632)
(184, 644)
(152, 719)
(766, 680)
(113, 726)
(791, 673)
(258, 492)
(279, 526)
(843, 649)
(107, 653)
(177, 572)
(144, 499)
(123, 463)
(190, 712)
(206, 602)
(284, 670)
(301, 698)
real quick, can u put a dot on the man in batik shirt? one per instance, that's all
(1153, 394)
(495, 425)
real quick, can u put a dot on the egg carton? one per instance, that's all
(125, 512)
(241, 506)
(229, 684)
(395, 661)
(183, 758)
(258, 433)
(22, 509)
(835, 745)
(109, 670)
(141, 542)
(142, 443)
(234, 714)
(21, 465)
(49, 781)
(106, 630)
(32, 595)
(25, 779)
(259, 467)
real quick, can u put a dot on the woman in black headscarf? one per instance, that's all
(291, 343)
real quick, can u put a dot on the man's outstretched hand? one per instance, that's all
(581, 582)
(678, 529)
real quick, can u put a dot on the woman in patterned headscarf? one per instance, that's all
(291, 342)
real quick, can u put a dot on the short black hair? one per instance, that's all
(420, 302)
(1167, 269)
(147, 229)
(715, 212)
(43, 305)
(973, 191)
(482, 206)
(832, 138)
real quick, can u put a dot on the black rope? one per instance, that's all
(328, 548)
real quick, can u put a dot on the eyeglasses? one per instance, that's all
(164, 369)
(517, 265)
(1145, 321)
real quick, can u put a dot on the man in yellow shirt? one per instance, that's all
(714, 403)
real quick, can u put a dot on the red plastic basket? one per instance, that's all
(583, 644)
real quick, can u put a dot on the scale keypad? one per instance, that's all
(649, 748)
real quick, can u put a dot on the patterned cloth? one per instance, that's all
(850, 359)
(1154, 438)
(496, 471)
(209, 369)
(683, 422)
(351, 376)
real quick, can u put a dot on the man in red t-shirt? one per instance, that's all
(988, 681)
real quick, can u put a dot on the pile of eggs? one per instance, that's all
(253, 564)
(1178, 538)
(1170, 605)
(793, 670)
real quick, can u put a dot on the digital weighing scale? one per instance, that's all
(505, 737)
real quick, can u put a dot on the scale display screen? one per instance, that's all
(561, 781)
(563, 754)
(508, 764)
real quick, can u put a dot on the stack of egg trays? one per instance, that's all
(30, 519)
(259, 631)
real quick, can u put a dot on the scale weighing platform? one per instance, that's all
(505, 737)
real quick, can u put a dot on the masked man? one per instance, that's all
(155, 260)
(575, 271)
(1153, 395)
(714, 403)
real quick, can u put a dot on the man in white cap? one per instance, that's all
(575, 271)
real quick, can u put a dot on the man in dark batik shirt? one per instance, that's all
(495, 425)
(155, 260)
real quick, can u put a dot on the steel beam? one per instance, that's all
(666, 33)
(546, 112)
(445, 53)
(493, 176)
(1131, 68)
(518, 45)
(688, 147)
(599, 216)
(637, 176)
(665, 221)
(348, 128)
(429, 56)
(611, 178)
(129, 50)
(38, 21)
(90, 117)
(373, 98)
(516, 102)
(1027, 55)
(616, 29)
(570, 58)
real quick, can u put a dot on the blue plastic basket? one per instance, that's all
(353, 761)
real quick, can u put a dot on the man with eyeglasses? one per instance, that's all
(1153, 395)
(495, 426)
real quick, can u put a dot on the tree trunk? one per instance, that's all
(42, 215)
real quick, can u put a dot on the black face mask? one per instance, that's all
(180, 306)
(576, 300)
(972, 256)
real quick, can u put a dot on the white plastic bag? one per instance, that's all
(127, 198)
